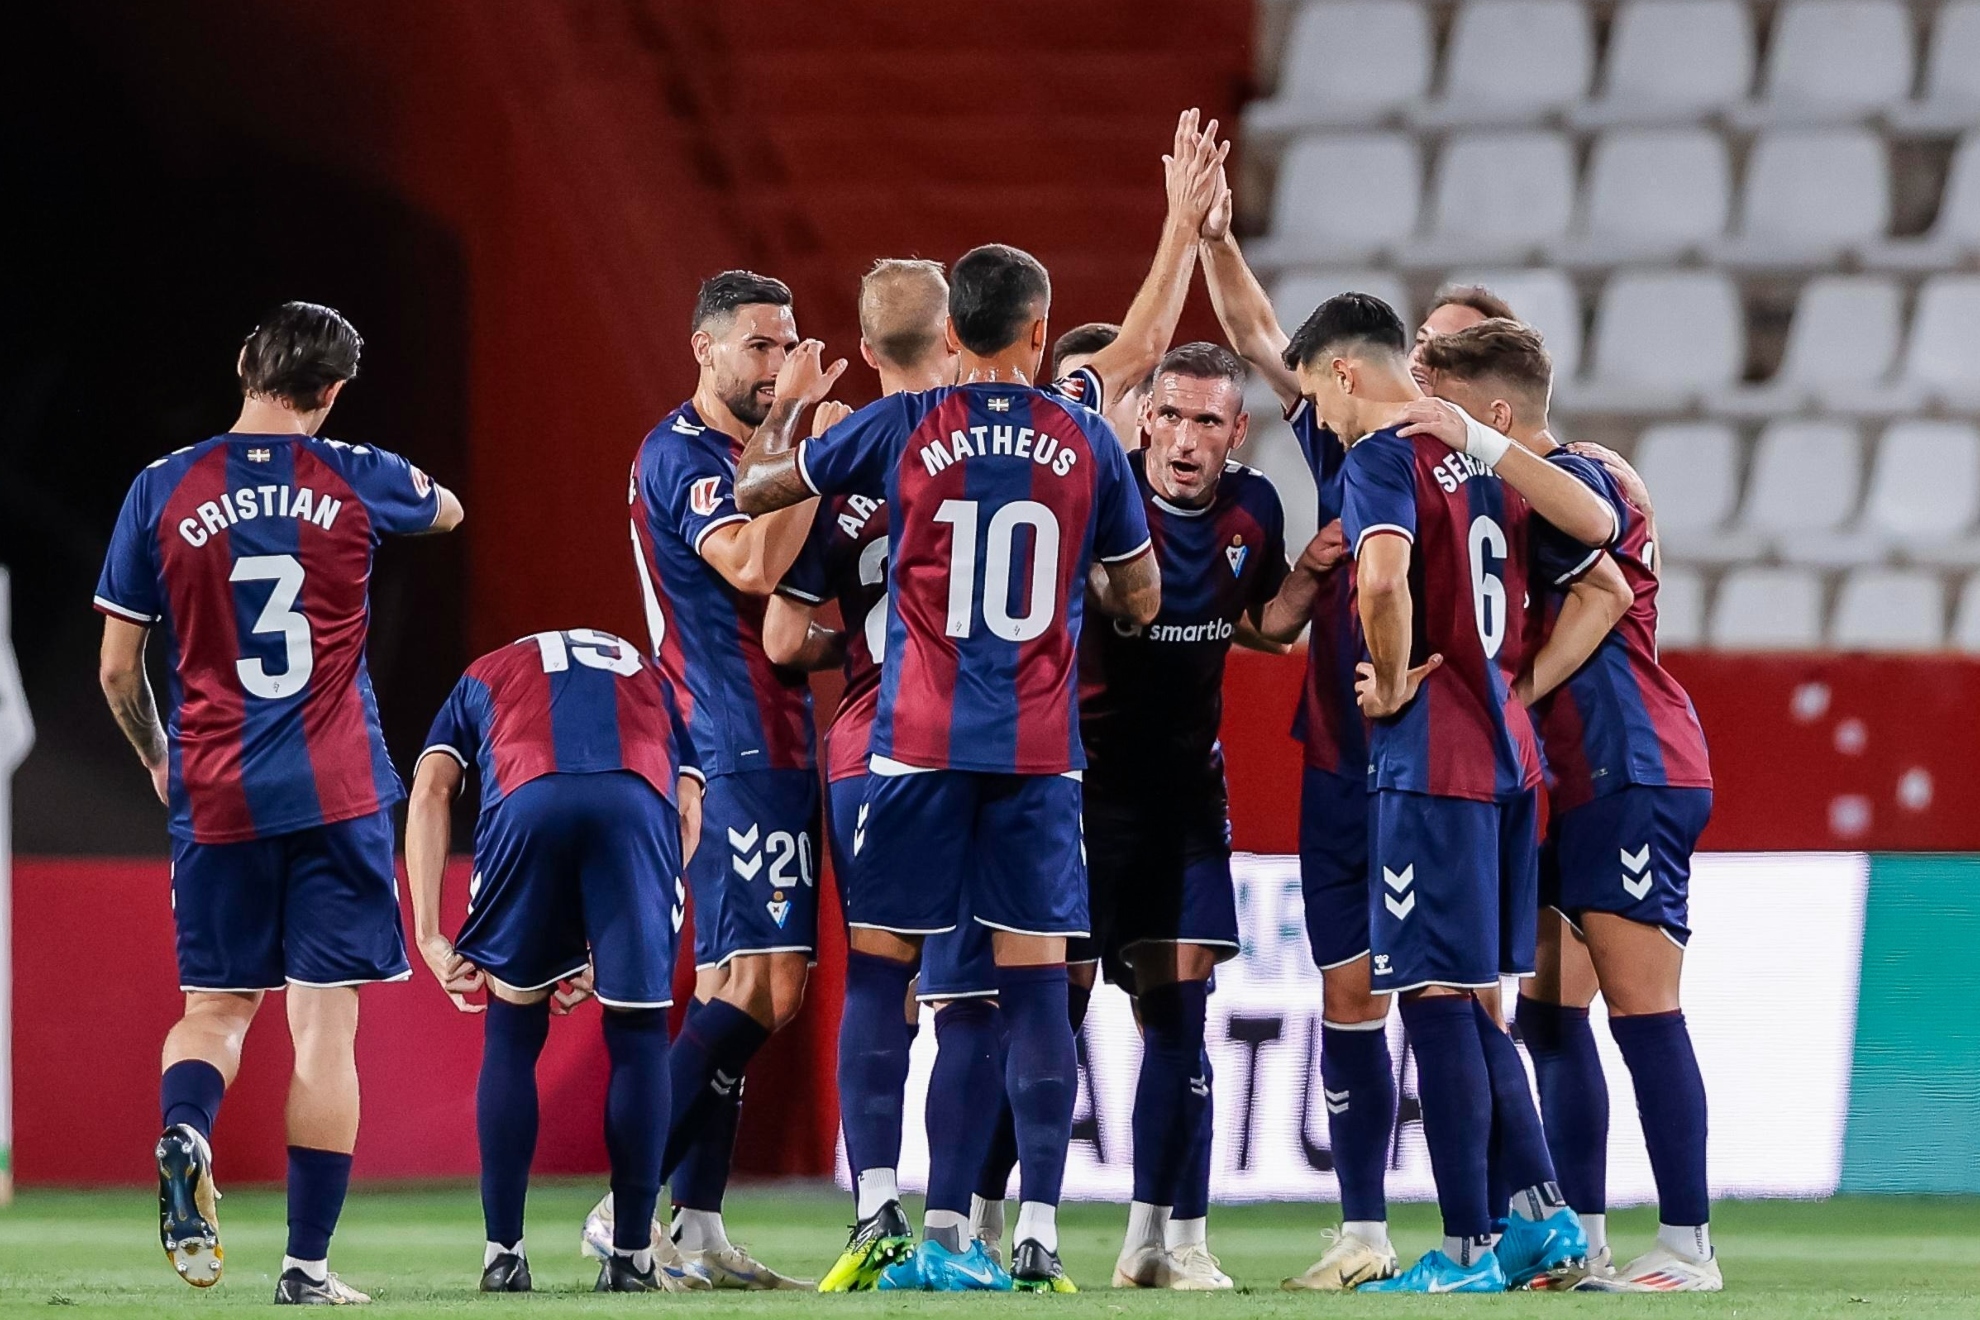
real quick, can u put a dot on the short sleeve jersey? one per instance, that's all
(845, 559)
(1621, 720)
(251, 555)
(563, 703)
(1465, 735)
(1328, 722)
(744, 712)
(1000, 497)
(1152, 698)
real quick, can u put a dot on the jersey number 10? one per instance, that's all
(1000, 544)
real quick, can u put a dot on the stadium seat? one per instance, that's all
(1672, 60)
(1966, 617)
(1842, 347)
(1661, 339)
(1955, 234)
(1884, 609)
(1944, 355)
(1310, 222)
(1925, 490)
(1512, 61)
(1810, 195)
(1951, 95)
(1295, 296)
(1806, 481)
(1680, 609)
(1768, 609)
(1347, 62)
(1652, 194)
(1692, 470)
(1497, 196)
(1834, 60)
(1545, 299)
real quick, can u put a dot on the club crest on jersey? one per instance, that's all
(779, 908)
(422, 484)
(259, 455)
(703, 497)
(1235, 554)
(999, 404)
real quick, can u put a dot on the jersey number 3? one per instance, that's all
(280, 616)
(1000, 544)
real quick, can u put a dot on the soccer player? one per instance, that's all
(590, 799)
(1356, 1072)
(1631, 791)
(1442, 549)
(706, 571)
(1077, 348)
(1454, 307)
(252, 551)
(1157, 823)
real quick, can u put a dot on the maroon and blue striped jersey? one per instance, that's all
(1328, 722)
(1151, 699)
(744, 712)
(1465, 735)
(1621, 719)
(1000, 497)
(845, 559)
(251, 554)
(575, 702)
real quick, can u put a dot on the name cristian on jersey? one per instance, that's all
(251, 502)
(1000, 441)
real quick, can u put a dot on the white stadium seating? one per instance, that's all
(1750, 232)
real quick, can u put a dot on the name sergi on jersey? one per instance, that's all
(999, 496)
(1328, 722)
(744, 712)
(845, 559)
(580, 701)
(251, 555)
(1152, 698)
(1621, 719)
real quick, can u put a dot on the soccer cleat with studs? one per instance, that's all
(876, 1242)
(1034, 1269)
(188, 1206)
(508, 1272)
(296, 1288)
(1345, 1265)
(618, 1274)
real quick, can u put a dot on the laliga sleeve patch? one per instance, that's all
(704, 495)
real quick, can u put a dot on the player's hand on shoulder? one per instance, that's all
(1628, 480)
(457, 976)
(569, 994)
(1377, 703)
(803, 379)
(1325, 551)
(829, 414)
(1427, 416)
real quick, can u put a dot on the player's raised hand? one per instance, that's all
(1217, 220)
(1377, 704)
(802, 379)
(828, 415)
(1436, 417)
(1177, 172)
(1325, 551)
(569, 994)
(457, 976)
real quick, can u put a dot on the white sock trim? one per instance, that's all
(1597, 1229)
(1375, 1232)
(1691, 1241)
(699, 1230)
(1180, 1233)
(1037, 1222)
(876, 1188)
(319, 1270)
(494, 1249)
(1146, 1224)
(986, 1217)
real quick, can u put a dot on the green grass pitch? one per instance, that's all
(418, 1251)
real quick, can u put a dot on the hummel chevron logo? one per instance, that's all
(747, 861)
(722, 1084)
(1337, 1101)
(859, 830)
(680, 904)
(1199, 1087)
(1637, 877)
(1400, 908)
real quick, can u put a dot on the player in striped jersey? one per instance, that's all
(590, 801)
(251, 552)
(1631, 790)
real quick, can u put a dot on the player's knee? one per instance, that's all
(1346, 996)
(786, 999)
(1083, 974)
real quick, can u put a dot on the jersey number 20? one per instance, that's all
(1000, 543)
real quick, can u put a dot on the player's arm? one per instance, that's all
(1192, 175)
(1243, 309)
(1282, 617)
(753, 556)
(450, 514)
(1130, 589)
(767, 476)
(1596, 602)
(120, 671)
(1554, 493)
(1386, 683)
(1634, 489)
(429, 832)
(792, 637)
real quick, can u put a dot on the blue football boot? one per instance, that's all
(934, 1268)
(1536, 1252)
(1438, 1273)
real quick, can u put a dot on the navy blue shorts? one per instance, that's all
(755, 876)
(1158, 864)
(316, 907)
(1628, 853)
(577, 868)
(1008, 844)
(1333, 866)
(1453, 889)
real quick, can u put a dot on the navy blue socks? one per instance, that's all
(189, 1093)
(1574, 1099)
(318, 1180)
(636, 1102)
(505, 1113)
(1041, 1076)
(1165, 1120)
(1524, 1162)
(873, 1061)
(962, 1112)
(1359, 1083)
(1670, 1098)
(1456, 1092)
(706, 1069)
(1193, 1190)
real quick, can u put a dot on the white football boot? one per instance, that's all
(1193, 1269)
(1345, 1266)
(1661, 1270)
(733, 1267)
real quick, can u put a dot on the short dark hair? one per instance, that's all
(1346, 317)
(1204, 361)
(722, 294)
(298, 352)
(1500, 348)
(1082, 341)
(1475, 296)
(993, 291)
